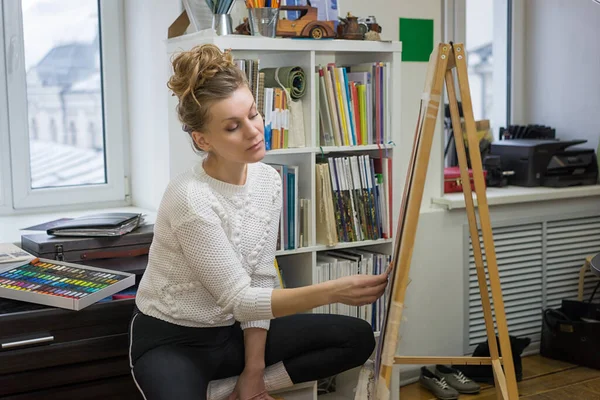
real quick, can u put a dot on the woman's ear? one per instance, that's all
(201, 140)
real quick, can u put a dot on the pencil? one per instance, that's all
(232, 2)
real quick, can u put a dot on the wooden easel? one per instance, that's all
(445, 59)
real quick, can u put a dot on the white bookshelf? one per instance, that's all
(299, 265)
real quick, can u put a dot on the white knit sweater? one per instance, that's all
(211, 261)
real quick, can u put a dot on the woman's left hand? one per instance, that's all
(250, 386)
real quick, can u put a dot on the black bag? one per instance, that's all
(484, 373)
(571, 333)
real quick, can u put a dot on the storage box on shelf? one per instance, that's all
(299, 251)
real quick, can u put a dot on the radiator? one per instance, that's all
(539, 264)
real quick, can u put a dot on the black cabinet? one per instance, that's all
(50, 353)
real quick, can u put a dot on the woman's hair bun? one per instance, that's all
(191, 69)
(202, 76)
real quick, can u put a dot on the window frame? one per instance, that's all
(112, 45)
(5, 178)
(517, 64)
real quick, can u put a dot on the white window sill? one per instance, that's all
(518, 194)
(11, 225)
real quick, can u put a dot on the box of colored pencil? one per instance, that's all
(61, 284)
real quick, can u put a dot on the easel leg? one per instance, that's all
(445, 58)
(582, 272)
(409, 217)
(486, 229)
(472, 218)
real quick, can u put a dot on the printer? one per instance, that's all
(547, 162)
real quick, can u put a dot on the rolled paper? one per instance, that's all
(292, 78)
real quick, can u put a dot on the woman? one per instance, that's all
(211, 322)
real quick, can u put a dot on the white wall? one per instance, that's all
(561, 67)
(146, 27)
(413, 82)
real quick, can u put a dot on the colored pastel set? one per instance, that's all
(61, 284)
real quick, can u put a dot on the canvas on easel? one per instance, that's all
(444, 60)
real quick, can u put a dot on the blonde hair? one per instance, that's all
(202, 76)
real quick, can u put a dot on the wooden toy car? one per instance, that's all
(307, 25)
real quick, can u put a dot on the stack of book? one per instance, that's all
(277, 115)
(354, 199)
(251, 69)
(336, 264)
(353, 103)
(294, 226)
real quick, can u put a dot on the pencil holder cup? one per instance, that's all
(263, 21)
(221, 23)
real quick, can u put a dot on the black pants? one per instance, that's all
(176, 362)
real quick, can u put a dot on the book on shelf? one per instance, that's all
(294, 222)
(353, 199)
(353, 103)
(281, 277)
(277, 117)
(251, 69)
(337, 264)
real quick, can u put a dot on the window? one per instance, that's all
(63, 75)
(480, 47)
(485, 27)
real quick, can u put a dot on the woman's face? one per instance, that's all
(235, 131)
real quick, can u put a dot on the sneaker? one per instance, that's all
(437, 385)
(457, 379)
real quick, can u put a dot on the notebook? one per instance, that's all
(103, 224)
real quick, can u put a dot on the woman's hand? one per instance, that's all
(251, 383)
(250, 386)
(358, 290)
(355, 290)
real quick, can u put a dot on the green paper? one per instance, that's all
(416, 36)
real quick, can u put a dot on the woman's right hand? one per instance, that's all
(354, 290)
(358, 290)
